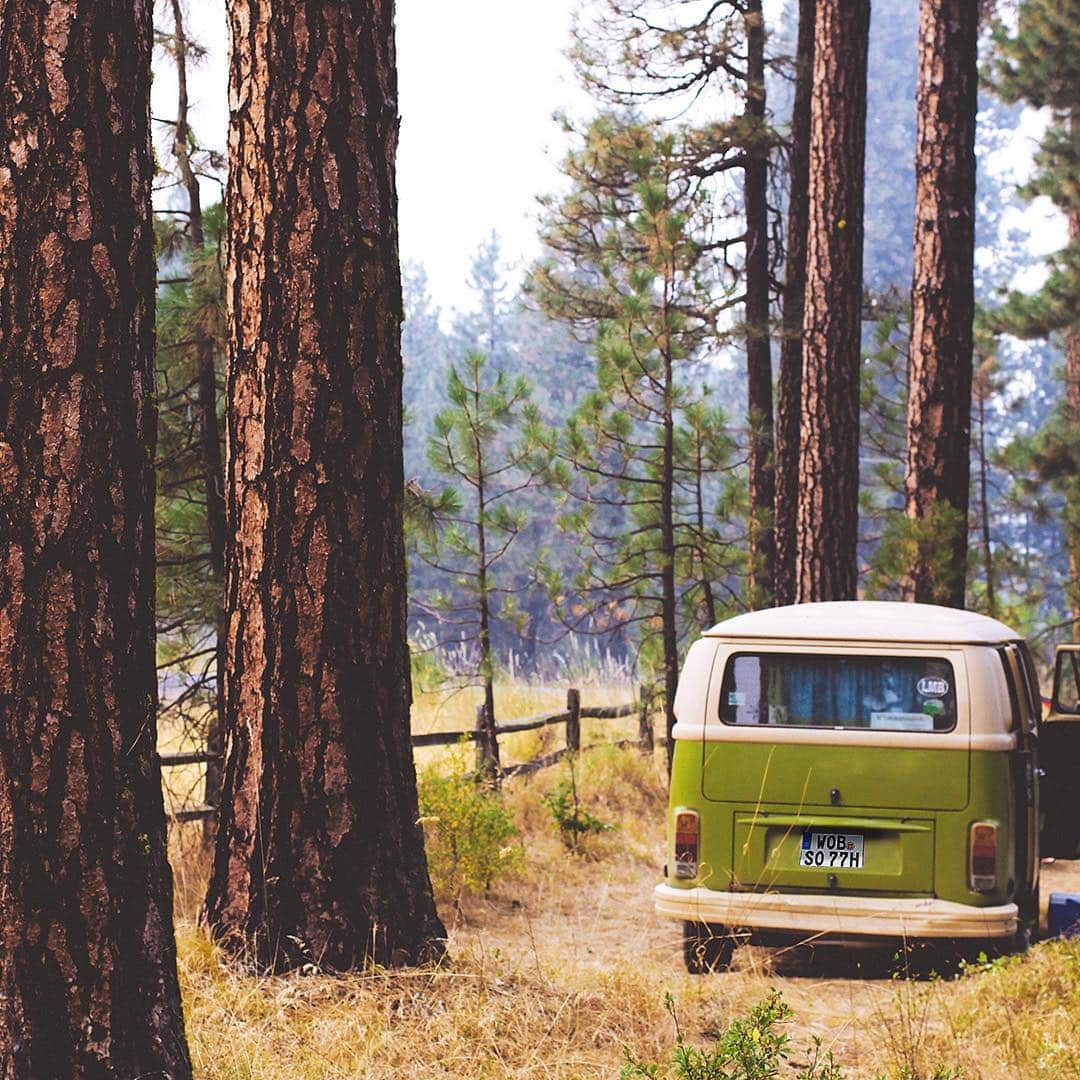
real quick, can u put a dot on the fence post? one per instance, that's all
(573, 722)
(487, 747)
(645, 731)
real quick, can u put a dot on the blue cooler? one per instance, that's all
(1063, 915)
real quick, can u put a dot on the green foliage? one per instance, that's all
(469, 834)
(573, 822)
(908, 542)
(643, 459)
(1036, 64)
(750, 1049)
(486, 441)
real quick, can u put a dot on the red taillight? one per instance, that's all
(982, 867)
(687, 828)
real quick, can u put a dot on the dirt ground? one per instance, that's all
(874, 1023)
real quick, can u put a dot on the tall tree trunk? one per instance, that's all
(1072, 405)
(669, 600)
(88, 983)
(789, 391)
(828, 506)
(938, 476)
(209, 428)
(758, 283)
(319, 856)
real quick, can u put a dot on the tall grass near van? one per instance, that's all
(558, 970)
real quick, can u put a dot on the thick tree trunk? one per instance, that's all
(789, 391)
(209, 428)
(758, 287)
(88, 983)
(319, 854)
(942, 302)
(828, 505)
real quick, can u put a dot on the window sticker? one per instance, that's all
(736, 697)
(933, 706)
(901, 721)
(933, 687)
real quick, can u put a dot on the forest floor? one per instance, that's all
(563, 969)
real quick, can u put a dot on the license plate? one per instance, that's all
(832, 850)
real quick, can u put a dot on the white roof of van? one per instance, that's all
(867, 620)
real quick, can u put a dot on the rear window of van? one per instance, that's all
(877, 693)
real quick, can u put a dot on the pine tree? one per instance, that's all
(789, 386)
(476, 522)
(943, 303)
(1037, 65)
(191, 478)
(827, 522)
(319, 855)
(672, 50)
(626, 264)
(88, 983)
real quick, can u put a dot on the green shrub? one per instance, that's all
(469, 834)
(571, 819)
(750, 1049)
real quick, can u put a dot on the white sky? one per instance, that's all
(479, 81)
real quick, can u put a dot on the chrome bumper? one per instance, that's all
(857, 916)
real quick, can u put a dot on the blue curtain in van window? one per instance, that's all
(829, 691)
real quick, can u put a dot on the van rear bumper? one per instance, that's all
(854, 916)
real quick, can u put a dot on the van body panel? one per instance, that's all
(899, 855)
(864, 777)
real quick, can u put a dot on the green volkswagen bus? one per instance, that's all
(854, 772)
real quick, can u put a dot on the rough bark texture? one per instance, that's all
(789, 389)
(827, 521)
(319, 854)
(88, 982)
(758, 288)
(942, 299)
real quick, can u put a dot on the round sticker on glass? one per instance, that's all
(931, 687)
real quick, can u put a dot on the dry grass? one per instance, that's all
(553, 974)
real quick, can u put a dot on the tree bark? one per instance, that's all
(758, 287)
(319, 854)
(209, 428)
(88, 984)
(827, 521)
(789, 390)
(943, 301)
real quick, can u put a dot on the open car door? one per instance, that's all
(1059, 741)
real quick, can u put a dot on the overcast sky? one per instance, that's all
(479, 81)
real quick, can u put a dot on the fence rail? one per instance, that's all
(486, 737)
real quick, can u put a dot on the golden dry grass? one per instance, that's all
(553, 974)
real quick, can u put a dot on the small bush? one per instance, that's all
(750, 1049)
(469, 834)
(571, 819)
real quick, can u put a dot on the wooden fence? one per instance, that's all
(485, 736)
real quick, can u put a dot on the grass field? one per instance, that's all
(556, 972)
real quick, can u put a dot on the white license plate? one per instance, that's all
(832, 850)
